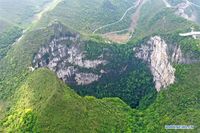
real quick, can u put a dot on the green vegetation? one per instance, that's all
(189, 46)
(40, 102)
(20, 121)
(14, 17)
(7, 38)
(43, 96)
(178, 105)
(87, 15)
(156, 19)
(128, 77)
(175, 2)
(19, 12)
(14, 66)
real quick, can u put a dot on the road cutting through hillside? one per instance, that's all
(107, 25)
(125, 37)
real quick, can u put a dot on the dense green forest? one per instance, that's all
(34, 106)
(179, 104)
(7, 38)
(129, 78)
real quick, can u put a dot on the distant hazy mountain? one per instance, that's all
(14, 17)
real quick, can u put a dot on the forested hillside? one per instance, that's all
(61, 76)
(33, 106)
(88, 16)
(16, 18)
(20, 13)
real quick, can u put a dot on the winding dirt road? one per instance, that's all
(125, 37)
(125, 13)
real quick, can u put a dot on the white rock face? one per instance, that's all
(86, 78)
(180, 57)
(68, 61)
(66, 73)
(177, 56)
(155, 53)
(76, 57)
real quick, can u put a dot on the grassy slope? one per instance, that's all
(4, 25)
(22, 10)
(178, 105)
(156, 19)
(7, 38)
(87, 15)
(14, 66)
(14, 17)
(45, 104)
(42, 94)
(44, 101)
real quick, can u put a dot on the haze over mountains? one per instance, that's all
(99, 66)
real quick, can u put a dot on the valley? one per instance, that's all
(46, 8)
(15, 29)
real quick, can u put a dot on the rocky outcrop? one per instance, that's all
(160, 56)
(155, 52)
(181, 7)
(65, 55)
(86, 78)
(177, 56)
(182, 10)
(76, 57)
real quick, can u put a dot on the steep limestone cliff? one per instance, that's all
(155, 53)
(160, 57)
(64, 55)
